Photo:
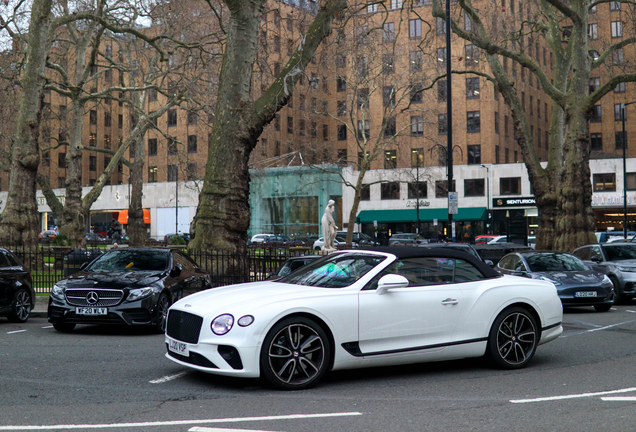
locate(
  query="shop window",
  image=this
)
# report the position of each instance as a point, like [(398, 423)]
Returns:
[(417, 190), (630, 181), (390, 159), (604, 182), (474, 187), (510, 185), (441, 188), (390, 190), (365, 193)]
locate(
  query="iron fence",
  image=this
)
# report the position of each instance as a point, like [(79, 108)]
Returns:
[(50, 264)]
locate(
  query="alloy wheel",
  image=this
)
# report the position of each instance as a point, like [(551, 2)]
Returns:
[(516, 339), (296, 354)]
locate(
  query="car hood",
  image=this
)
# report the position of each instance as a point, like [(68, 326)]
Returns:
[(113, 279), (588, 277), (248, 296)]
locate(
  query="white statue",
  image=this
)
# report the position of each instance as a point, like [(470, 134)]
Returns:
[(329, 228)]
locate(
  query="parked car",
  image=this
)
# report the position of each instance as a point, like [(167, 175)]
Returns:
[(47, 235), (606, 236), (359, 238), (502, 239), (620, 239), (462, 247), (363, 308), (17, 296), (281, 240), (75, 258), (318, 244), (133, 286), (616, 260), (293, 264), (575, 282), (259, 238), (94, 237), (184, 236), (406, 239), (484, 238)]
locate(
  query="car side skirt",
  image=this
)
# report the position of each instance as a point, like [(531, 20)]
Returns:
[(353, 348)]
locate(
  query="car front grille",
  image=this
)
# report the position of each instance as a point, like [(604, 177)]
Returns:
[(194, 358), (103, 297), (184, 326)]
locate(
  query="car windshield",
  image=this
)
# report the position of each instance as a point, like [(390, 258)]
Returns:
[(554, 262), (335, 271), (620, 252), (131, 260)]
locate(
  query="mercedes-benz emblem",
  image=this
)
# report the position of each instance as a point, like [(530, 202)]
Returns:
[(92, 298)]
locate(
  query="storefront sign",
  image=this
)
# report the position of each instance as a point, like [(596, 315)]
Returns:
[(413, 203), (514, 202), (610, 200), (42, 200)]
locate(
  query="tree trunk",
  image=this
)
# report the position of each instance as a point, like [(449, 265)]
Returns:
[(136, 227), (19, 224)]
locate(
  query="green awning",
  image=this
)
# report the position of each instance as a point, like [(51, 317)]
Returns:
[(426, 215)]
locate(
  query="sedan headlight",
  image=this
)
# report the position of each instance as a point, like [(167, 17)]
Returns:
[(606, 280), (627, 269), (58, 292), (545, 278), (139, 293), (222, 324)]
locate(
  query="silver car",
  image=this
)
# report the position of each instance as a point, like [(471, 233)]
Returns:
[(616, 260)]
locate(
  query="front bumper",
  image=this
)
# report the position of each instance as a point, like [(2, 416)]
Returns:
[(141, 312)]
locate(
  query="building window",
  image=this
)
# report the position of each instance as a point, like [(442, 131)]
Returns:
[(441, 90), (342, 132), (172, 117), (290, 125), (441, 188), (361, 67), (592, 31), (596, 114), (341, 84), (342, 157), (506, 155), (496, 122), (510, 185), (61, 182), (191, 173), (152, 147), (596, 141), (390, 128), (416, 93), (301, 127), (615, 5), (619, 140), (192, 143), (192, 118), (61, 160), (396, 4), (152, 174), (415, 28), (325, 132), (618, 56), (341, 108), (618, 112), (605, 182), (172, 146), (473, 123), (472, 88), (92, 163), (474, 187), (277, 123), (472, 55), (365, 193), (468, 24), (442, 124), (389, 32), (595, 84), (620, 88), (417, 190), (415, 61), (173, 173), (388, 96), (630, 181), (93, 117), (617, 29), (441, 26), (390, 159), (474, 154), (417, 157), (152, 95), (390, 190), (417, 126), (361, 159), (441, 58), (364, 130)]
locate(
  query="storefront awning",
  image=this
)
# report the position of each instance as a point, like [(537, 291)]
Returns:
[(123, 217), (426, 215)]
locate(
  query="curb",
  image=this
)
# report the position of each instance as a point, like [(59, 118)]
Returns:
[(41, 307)]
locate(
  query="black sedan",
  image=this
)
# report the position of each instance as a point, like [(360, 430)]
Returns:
[(133, 286), (17, 297), (576, 283)]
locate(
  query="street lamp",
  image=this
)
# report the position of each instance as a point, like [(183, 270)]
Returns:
[(449, 119), (624, 136), (487, 197), (417, 189)]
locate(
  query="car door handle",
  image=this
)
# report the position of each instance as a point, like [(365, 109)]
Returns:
[(450, 301)]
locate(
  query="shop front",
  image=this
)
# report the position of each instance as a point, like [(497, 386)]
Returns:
[(515, 215), (609, 212), (382, 224)]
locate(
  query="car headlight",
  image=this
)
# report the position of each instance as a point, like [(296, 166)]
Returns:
[(545, 278), (222, 324), (606, 280), (627, 269), (58, 292), (139, 293), (245, 321)]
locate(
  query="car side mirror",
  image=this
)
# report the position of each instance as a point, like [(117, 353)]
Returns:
[(391, 281), (489, 263), (176, 270)]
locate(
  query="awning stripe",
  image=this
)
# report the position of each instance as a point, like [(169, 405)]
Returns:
[(426, 215)]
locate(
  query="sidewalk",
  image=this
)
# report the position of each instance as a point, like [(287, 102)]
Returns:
[(41, 306)]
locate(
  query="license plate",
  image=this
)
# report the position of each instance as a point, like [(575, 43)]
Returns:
[(91, 311), (585, 294), (178, 347)]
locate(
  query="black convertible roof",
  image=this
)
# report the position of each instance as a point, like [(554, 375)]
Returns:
[(403, 252)]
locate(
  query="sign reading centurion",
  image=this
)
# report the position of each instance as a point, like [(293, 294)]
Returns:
[(514, 202)]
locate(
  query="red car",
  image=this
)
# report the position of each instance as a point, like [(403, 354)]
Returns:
[(47, 234), (483, 239)]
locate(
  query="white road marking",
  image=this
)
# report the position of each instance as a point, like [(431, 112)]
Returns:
[(206, 429), (168, 378), (176, 422), (574, 396), (597, 329), (16, 331), (620, 399), (50, 326), (631, 311)]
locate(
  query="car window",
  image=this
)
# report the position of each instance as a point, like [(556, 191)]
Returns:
[(336, 271), (583, 253), (619, 253), (13, 262), (146, 260), (506, 262), (554, 262), (185, 261), (4, 262), (424, 271)]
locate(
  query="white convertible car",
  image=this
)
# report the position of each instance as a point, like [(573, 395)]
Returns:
[(364, 308)]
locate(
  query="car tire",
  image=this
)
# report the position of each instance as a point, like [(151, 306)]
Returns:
[(317, 248), (295, 354), (21, 307), (603, 307), (163, 304), (64, 327), (513, 338), (618, 297)]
